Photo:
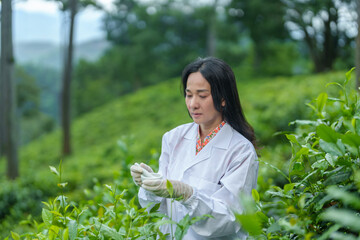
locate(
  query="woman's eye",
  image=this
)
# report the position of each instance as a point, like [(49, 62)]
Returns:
[(188, 96), (202, 96)]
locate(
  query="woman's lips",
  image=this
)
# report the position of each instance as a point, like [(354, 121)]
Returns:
[(196, 115)]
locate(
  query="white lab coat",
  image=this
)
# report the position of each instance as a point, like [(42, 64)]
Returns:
[(223, 169)]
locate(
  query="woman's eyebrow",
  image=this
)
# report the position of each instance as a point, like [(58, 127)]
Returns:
[(198, 90), (202, 90)]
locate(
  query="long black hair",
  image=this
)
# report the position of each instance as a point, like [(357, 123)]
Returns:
[(223, 87)]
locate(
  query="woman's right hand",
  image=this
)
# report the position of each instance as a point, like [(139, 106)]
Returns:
[(136, 170)]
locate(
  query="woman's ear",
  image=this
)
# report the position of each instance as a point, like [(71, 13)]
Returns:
[(223, 102)]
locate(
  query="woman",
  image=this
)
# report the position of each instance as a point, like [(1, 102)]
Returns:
[(209, 161)]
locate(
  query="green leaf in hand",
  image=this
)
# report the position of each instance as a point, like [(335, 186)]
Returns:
[(169, 188)]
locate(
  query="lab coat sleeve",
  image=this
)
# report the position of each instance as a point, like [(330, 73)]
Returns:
[(146, 197), (241, 177)]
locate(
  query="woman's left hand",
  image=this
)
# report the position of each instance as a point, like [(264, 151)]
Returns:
[(158, 187)]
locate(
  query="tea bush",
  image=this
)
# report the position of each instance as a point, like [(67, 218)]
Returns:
[(107, 214), (320, 199), (21, 198)]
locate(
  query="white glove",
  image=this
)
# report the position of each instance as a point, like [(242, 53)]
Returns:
[(158, 187), (137, 169)]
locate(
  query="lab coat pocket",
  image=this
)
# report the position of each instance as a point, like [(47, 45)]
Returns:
[(202, 185)]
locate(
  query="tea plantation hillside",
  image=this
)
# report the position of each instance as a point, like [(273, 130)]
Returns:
[(107, 140)]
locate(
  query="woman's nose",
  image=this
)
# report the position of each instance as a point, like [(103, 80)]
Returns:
[(194, 103)]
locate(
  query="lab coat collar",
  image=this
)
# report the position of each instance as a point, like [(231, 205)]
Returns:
[(192, 132), (221, 140)]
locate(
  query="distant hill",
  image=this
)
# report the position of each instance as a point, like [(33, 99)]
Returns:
[(48, 54)]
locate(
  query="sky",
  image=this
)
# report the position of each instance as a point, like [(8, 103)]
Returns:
[(40, 20)]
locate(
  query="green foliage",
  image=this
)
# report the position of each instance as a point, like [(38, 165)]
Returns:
[(300, 15), (21, 198), (48, 83), (285, 56), (273, 55), (108, 140), (321, 197), (270, 104), (33, 122), (106, 214), (153, 42)]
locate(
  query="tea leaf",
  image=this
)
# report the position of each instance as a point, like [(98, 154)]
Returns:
[(321, 164), (66, 234), (345, 218), (255, 195), (311, 106), (348, 75), (261, 216), (276, 169), (353, 142), (326, 235), (109, 232), (292, 139), (62, 199), (53, 170), (169, 188), (108, 187), (182, 227), (15, 236), (304, 122), (53, 232), (47, 216), (329, 158), (339, 176), (288, 187), (72, 226), (275, 227), (334, 83), (344, 196), (321, 101), (297, 169), (279, 194), (327, 134), (331, 148), (250, 223), (155, 208)]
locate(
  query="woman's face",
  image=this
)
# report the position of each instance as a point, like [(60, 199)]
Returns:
[(200, 103)]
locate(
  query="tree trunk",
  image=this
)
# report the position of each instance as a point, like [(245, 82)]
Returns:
[(211, 31), (314, 52), (66, 93), (357, 61), (211, 35), (330, 45), (8, 119)]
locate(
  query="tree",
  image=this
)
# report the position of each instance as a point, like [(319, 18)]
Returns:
[(318, 24), (70, 6), (357, 61), (151, 43), (67, 76), (264, 23), (8, 120)]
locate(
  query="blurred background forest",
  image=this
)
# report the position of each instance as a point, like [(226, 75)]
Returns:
[(102, 105)]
